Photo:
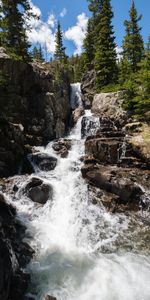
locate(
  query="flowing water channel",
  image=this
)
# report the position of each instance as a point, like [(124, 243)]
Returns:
[(82, 252)]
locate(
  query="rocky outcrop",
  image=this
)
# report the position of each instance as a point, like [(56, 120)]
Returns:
[(88, 88), (110, 104), (14, 254), (35, 102), (111, 163)]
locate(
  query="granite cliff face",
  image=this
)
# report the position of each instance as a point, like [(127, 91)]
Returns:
[(34, 108)]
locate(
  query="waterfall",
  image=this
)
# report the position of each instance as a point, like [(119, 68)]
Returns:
[(81, 251), (76, 100)]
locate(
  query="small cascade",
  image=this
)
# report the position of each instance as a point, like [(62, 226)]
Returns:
[(90, 125), (76, 100)]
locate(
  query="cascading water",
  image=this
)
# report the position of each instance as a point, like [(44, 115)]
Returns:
[(82, 252)]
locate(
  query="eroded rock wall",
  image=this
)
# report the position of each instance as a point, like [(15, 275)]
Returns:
[(34, 100)]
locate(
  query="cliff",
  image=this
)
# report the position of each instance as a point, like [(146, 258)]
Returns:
[(34, 108)]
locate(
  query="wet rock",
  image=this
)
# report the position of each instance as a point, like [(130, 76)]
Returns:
[(88, 88), (43, 161), (19, 285), (62, 147), (50, 298), (38, 191), (113, 181), (90, 126), (24, 253), (77, 113), (13, 280)]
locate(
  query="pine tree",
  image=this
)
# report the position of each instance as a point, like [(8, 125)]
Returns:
[(95, 7), (88, 46), (12, 26), (60, 49), (142, 99), (105, 48), (133, 43), (37, 53)]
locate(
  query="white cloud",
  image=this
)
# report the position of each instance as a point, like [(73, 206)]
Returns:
[(63, 12), (51, 20), (77, 33), (119, 52), (42, 32)]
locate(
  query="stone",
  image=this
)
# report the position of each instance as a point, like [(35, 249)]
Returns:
[(103, 149), (61, 147), (50, 298), (43, 161), (14, 254), (113, 181), (110, 104), (88, 88), (3, 53), (38, 191), (134, 126), (76, 114)]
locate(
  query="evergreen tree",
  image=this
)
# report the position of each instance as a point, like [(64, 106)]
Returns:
[(12, 26), (88, 46), (60, 49), (142, 98), (95, 7), (105, 52), (133, 43), (37, 53)]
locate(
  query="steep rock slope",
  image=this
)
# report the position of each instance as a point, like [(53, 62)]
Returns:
[(34, 108)]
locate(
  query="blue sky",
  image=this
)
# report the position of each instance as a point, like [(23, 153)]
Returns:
[(73, 16)]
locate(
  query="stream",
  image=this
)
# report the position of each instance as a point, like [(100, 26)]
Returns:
[(82, 252)]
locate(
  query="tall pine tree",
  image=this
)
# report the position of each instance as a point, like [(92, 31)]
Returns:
[(89, 47), (133, 48), (12, 26), (105, 48), (60, 49)]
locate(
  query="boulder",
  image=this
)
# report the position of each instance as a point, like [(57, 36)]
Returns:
[(105, 150), (113, 181), (110, 104), (38, 191), (43, 161), (61, 147), (76, 114), (50, 298)]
